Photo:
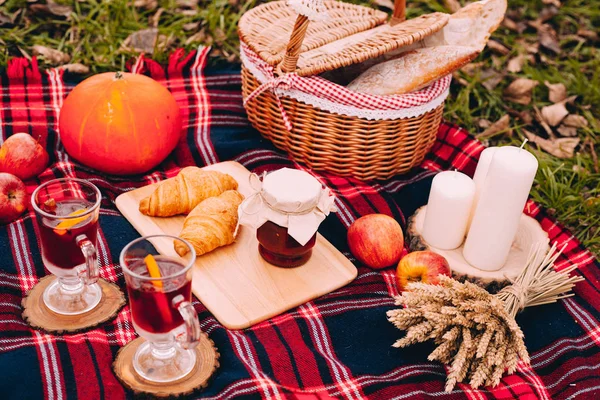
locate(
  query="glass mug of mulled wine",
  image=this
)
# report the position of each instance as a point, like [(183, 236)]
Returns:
[(159, 285), (67, 212)]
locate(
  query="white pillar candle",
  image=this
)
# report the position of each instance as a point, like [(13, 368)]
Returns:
[(503, 196), (485, 158), (448, 210), (481, 171)]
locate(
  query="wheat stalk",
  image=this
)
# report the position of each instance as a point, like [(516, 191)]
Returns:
[(539, 283), (475, 331)]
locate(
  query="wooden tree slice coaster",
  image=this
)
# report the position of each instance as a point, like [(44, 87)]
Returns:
[(530, 232), (207, 362), (39, 316)]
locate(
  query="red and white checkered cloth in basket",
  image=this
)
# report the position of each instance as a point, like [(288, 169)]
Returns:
[(332, 97)]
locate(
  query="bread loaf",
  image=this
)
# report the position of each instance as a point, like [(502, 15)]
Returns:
[(415, 66), (412, 70)]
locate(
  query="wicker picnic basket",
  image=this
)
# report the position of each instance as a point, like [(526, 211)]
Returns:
[(282, 51)]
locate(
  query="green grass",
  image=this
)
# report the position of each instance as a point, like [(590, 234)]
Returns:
[(568, 188)]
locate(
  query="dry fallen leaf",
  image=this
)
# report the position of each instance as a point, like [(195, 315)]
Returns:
[(389, 4), (519, 91), (561, 148), (532, 48), (515, 64), (571, 100), (60, 10), (497, 62), (188, 13), (526, 117), (164, 42), (542, 121), (484, 123), (75, 68), (500, 126), (548, 39), (490, 78), (575, 121), (567, 131), (547, 13), (588, 34), (555, 113), (155, 19), (146, 4), (52, 56), (142, 41), (580, 170), (518, 27), (553, 2), (192, 26), (557, 91), (186, 3), (5, 21), (199, 36), (472, 67), (498, 47)]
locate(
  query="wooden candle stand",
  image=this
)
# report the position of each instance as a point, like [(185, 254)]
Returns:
[(530, 232)]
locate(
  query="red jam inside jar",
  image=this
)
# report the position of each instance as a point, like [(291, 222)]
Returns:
[(277, 247)]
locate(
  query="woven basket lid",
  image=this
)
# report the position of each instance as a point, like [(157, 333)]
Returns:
[(351, 34)]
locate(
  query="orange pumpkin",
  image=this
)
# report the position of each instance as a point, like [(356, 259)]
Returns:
[(120, 123)]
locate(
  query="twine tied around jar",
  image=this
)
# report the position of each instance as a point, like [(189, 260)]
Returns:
[(278, 205), (256, 185)]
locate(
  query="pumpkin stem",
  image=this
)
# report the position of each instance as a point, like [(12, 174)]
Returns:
[(118, 75)]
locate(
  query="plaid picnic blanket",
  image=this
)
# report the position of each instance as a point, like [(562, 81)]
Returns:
[(338, 345)]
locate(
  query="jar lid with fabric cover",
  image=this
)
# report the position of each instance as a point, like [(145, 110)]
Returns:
[(290, 198)]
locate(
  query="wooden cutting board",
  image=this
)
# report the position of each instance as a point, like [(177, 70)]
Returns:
[(234, 282)]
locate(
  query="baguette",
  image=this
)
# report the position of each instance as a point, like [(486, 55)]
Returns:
[(412, 70), (412, 67)]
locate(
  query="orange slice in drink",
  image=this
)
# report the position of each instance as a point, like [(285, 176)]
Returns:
[(153, 269), (62, 227), (162, 301)]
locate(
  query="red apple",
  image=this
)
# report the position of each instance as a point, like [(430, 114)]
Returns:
[(23, 156), (421, 266), (13, 197), (376, 240)]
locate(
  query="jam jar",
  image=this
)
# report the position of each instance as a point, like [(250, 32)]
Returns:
[(286, 211), (279, 248)]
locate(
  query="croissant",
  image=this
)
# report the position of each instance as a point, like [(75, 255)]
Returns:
[(179, 195), (211, 224)]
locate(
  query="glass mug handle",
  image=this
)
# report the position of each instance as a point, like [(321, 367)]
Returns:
[(91, 263), (192, 326)]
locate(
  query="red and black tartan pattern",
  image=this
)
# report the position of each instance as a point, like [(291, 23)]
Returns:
[(338, 345)]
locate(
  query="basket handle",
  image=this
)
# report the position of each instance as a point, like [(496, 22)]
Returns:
[(399, 14), (292, 51)]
